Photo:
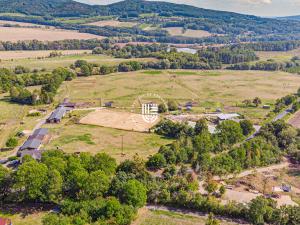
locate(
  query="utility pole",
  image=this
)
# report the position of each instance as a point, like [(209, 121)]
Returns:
[(122, 146)]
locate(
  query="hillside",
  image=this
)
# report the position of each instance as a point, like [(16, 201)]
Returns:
[(229, 25), (291, 18)]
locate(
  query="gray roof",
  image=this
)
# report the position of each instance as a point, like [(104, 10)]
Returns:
[(31, 143), (36, 154), (40, 131), (58, 113)]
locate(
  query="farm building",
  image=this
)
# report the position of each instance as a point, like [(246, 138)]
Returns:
[(58, 114), (230, 116), (35, 140), (5, 221), (109, 104), (35, 154)]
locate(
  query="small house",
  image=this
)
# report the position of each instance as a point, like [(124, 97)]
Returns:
[(230, 116), (266, 106)]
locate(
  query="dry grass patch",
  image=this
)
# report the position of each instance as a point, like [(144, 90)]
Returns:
[(15, 34), (295, 120), (179, 31), (22, 24), (278, 56), (112, 23)]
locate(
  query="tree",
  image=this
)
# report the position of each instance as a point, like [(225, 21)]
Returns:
[(247, 102), (54, 186), (298, 92), (261, 210), (201, 126), (156, 162), (162, 108), (203, 143), (172, 105), (247, 127), (211, 186), (229, 132), (97, 184), (134, 193), (104, 162), (222, 190), (85, 70), (257, 101), (31, 178)]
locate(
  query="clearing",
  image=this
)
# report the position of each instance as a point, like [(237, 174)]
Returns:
[(179, 31), (15, 34), (278, 56), (21, 24), (4, 55), (112, 23)]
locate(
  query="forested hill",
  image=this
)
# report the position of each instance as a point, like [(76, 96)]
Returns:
[(291, 18)]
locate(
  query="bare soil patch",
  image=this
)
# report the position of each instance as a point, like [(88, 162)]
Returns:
[(119, 120), (15, 34), (22, 24)]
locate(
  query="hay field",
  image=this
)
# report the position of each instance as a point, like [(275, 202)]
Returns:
[(178, 31), (64, 61), (278, 56), (15, 34), (211, 89), (112, 23), (22, 24), (6, 55), (117, 119)]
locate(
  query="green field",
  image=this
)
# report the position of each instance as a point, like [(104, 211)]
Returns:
[(278, 56), (63, 61), (210, 89)]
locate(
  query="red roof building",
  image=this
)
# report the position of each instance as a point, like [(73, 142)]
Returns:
[(4, 221)]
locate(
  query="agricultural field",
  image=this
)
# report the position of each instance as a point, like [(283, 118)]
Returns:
[(62, 61), (278, 56), (15, 34), (178, 31), (71, 137), (112, 23), (210, 89), (295, 120), (11, 55), (161, 217), (21, 24)]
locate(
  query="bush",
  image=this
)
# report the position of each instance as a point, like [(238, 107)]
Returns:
[(12, 142)]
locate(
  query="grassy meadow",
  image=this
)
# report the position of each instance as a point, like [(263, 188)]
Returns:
[(278, 56), (210, 89)]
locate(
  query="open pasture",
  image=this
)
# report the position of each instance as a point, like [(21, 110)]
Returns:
[(15, 34), (210, 89), (178, 31), (21, 24)]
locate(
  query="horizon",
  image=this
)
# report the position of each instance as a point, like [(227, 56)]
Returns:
[(275, 8)]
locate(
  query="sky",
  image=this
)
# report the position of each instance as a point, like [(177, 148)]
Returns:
[(265, 8)]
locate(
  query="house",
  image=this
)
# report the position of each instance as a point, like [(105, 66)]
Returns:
[(35, 140), (266, 106), (58, 114), (5, 221)]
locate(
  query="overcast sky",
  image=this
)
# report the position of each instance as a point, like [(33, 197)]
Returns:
[(268, 8)]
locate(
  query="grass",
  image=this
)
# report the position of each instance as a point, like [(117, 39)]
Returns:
[(278, 56), (211, 89), (179, 31), (160, 217), (63, 61), (73, 137)]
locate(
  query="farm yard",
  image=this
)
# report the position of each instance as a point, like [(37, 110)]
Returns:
[(15, 34)]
